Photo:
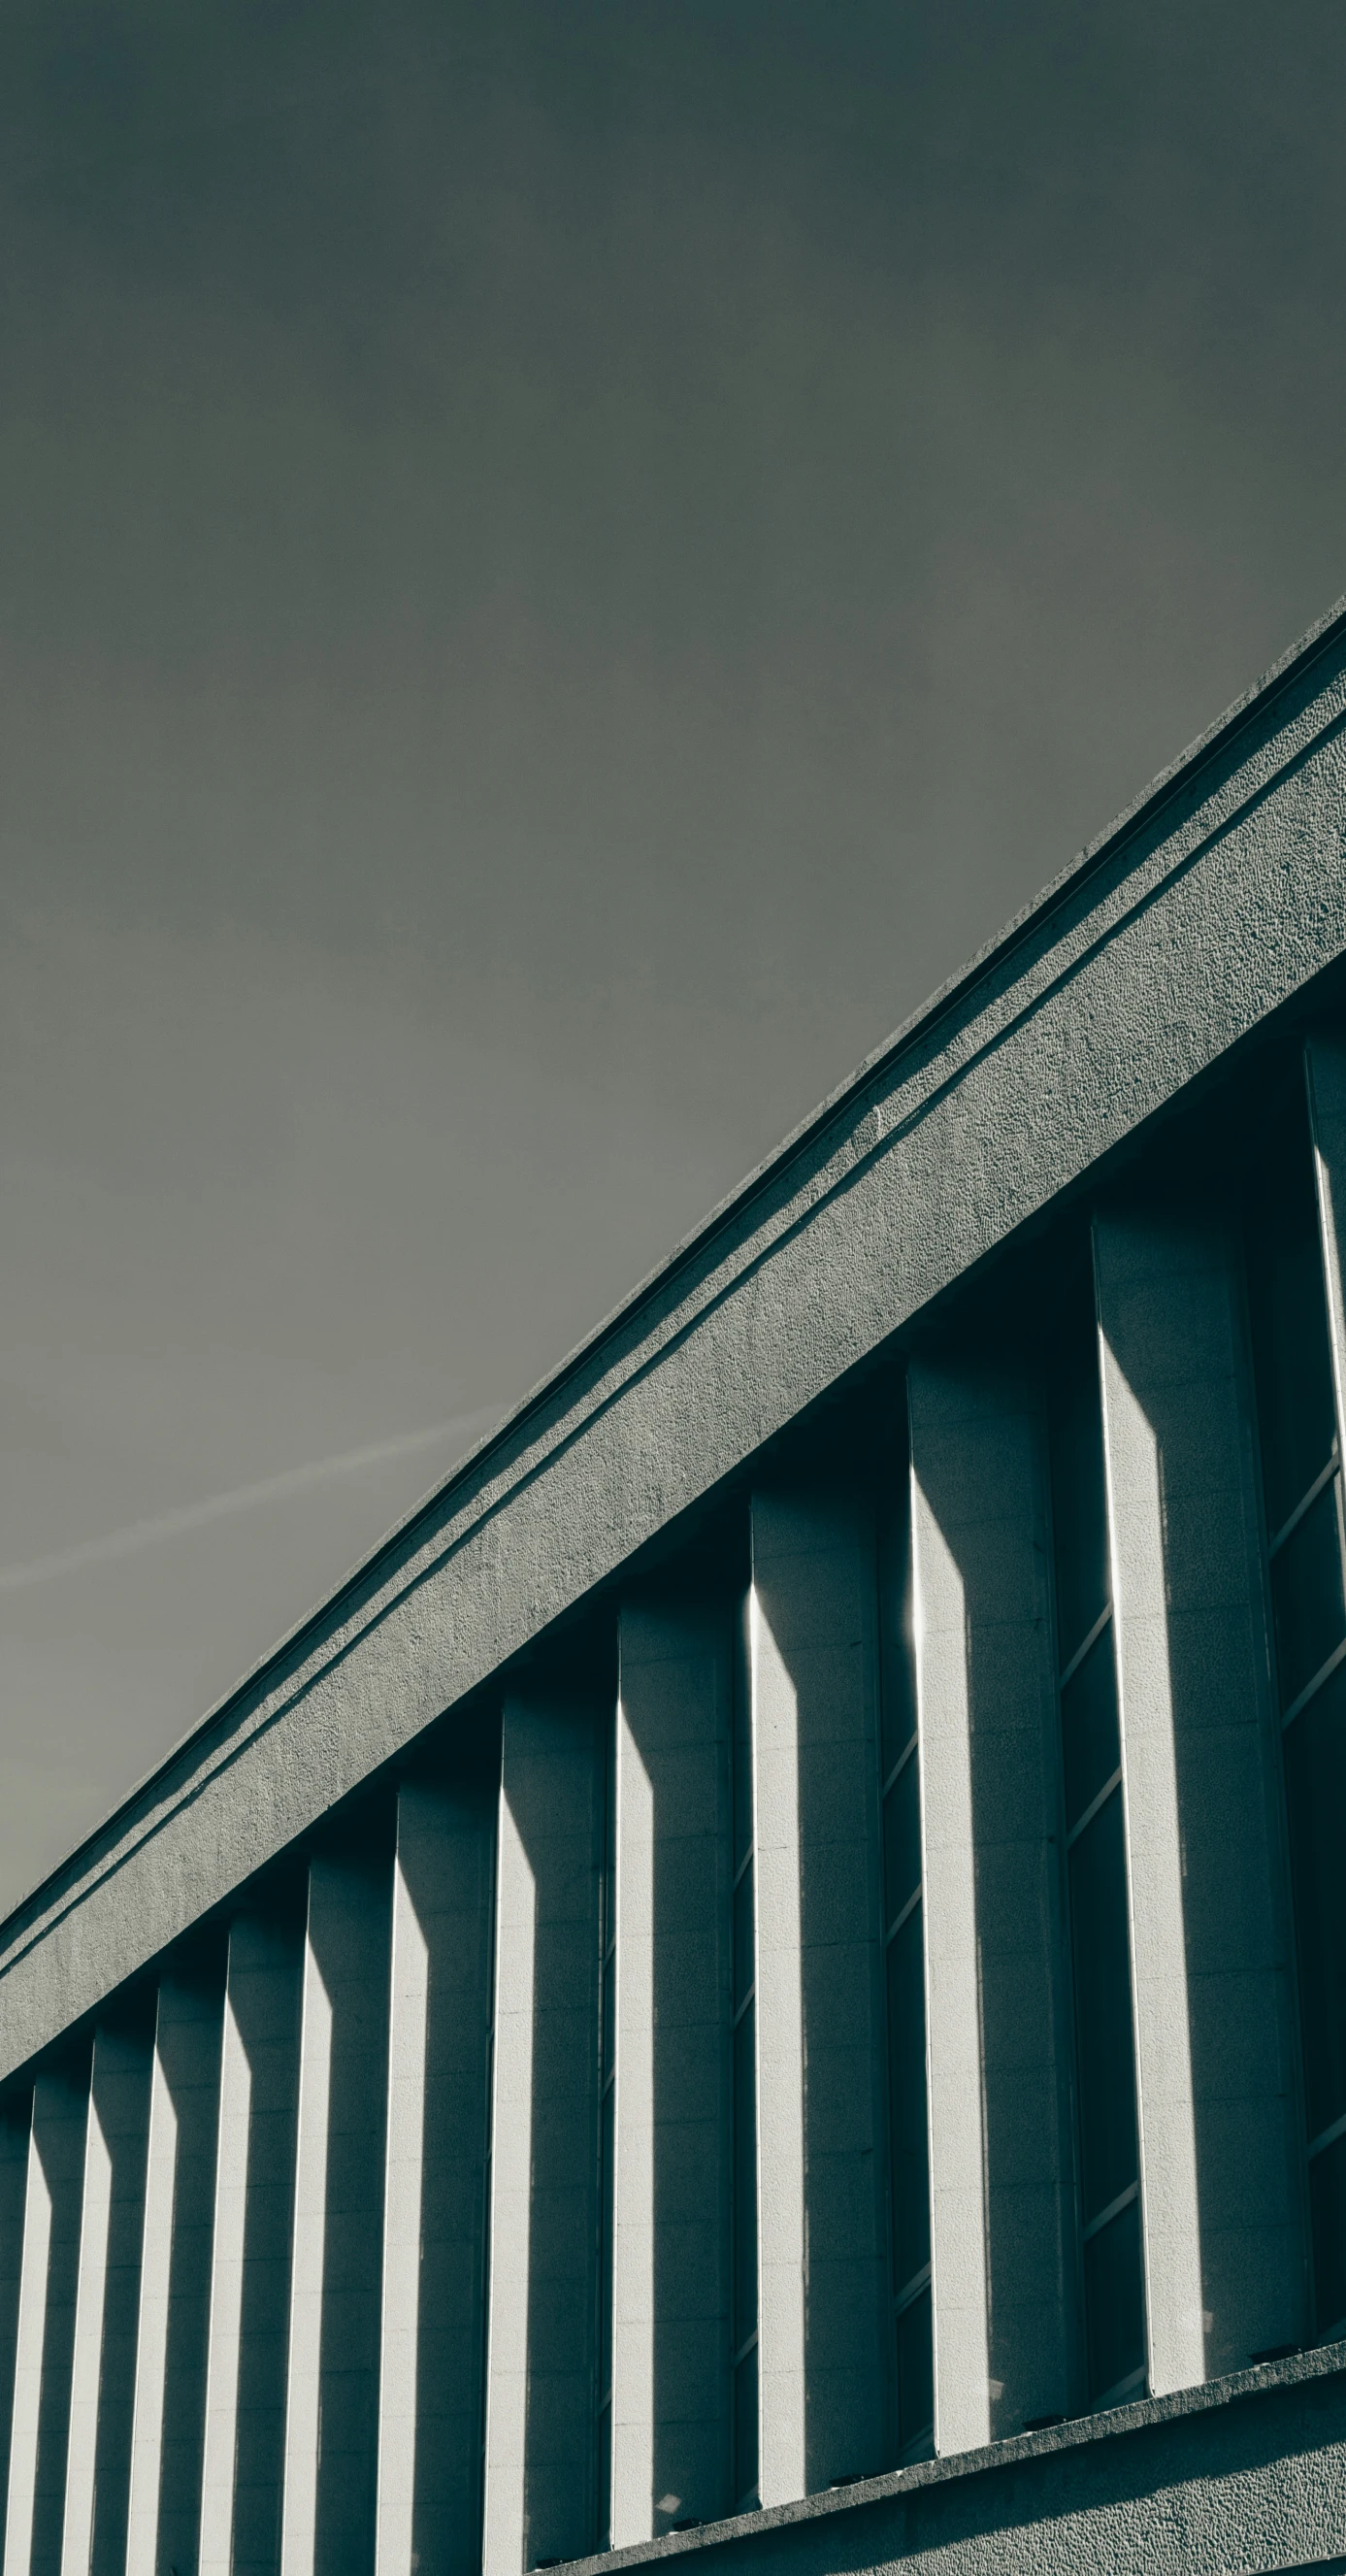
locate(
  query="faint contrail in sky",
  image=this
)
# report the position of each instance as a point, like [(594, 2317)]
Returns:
[(136, 1535)]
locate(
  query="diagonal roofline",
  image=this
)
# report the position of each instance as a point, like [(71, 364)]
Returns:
[(1106, 846)]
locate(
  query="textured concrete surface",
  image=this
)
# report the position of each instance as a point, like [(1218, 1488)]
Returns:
[(671, 2240), (1221, 2196), (993, 1907), (1247, 2473), (541, 2446), (1216, 898), (823, 2302)]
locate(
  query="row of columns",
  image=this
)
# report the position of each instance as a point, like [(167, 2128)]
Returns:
[(301, 2253)]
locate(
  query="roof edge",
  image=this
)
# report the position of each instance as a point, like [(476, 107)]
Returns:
[(1187, 765)]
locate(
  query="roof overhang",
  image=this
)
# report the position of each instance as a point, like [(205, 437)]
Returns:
[(1215, 900)]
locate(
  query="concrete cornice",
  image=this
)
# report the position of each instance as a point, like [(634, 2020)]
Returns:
[(938, 2482), (1216, 897)]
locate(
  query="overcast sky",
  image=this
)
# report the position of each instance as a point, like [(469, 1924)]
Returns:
[(560, 566)]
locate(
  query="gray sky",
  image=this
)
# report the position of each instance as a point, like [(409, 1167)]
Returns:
[(560, 565)]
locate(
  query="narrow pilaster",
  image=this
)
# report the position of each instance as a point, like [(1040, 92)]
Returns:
[(336, 2285), (542, 2371), (242, 2474), (56, 2202), (77, 2521), (1325, 1067), (120, 2103), (1213, 2011), (670, 2369), (823, 2340), (151, 2353), (29, 2341), (997, 2037), (166, 2511), (16, 2120), (430, 2412)]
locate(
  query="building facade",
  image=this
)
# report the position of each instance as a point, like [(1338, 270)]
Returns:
[(768, 1980)]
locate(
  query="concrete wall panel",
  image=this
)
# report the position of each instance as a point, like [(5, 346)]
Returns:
[(1214, 2011), (542, 2359), (671, 2242), (434, 2274), (1004, 2295), (823, 2300)]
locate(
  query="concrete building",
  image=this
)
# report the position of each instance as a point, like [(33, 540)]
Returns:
[(768, 1982)]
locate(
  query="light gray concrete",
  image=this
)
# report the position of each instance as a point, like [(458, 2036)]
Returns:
[(1224, 2259), (188, 2050), (671, 2292), (541, 2423), (150, 2353), (120, 2105), (336, 2256), (243, 2469), (151, 2343), (30, 2336), (1245, 2474), (430, 2407), (15, 2125), (1219, 896), (56, 2204), (91, 2284), (823, 2306), (1002, 2260), (1325, 1070)]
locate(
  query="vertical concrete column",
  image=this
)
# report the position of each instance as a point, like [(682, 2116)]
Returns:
[(303, 2394), (91, 2283), (822, 2313), (151, 2353), (243, 2466), (164, 2528), (336, 2288), (997, 2032), (29, 2338), (1325, 1068), (47, 2324), (670, 2382), (541, 2408), (430, 2410), (1220, 2221), (16, 2121), (119, 2108)]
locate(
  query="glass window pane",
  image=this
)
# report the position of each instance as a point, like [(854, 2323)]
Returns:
[(745, 2431), (1294, 1369), (1078, 1510), (1307, 1597), (907, 2114), (745, 2178), (1104, 2045), (744, 1957), (915, 2375), (1315, 1790), (1114, 2305), (902, 1840), (1089, 1733), (1327, 2208)]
